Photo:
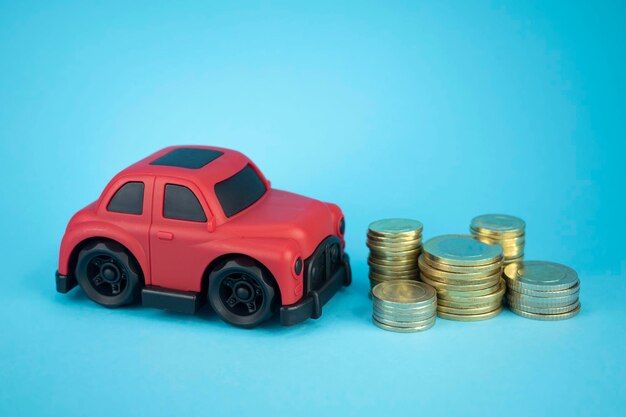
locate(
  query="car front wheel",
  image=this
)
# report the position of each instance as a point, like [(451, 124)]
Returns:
[(242, 293)]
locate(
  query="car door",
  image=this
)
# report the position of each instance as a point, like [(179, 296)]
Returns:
[(177, 234)]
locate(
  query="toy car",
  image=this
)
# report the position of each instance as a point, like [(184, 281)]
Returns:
[(192, 223)]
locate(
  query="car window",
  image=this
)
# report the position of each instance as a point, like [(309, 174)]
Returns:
[(128, 199), (240, 191), (181, 203)]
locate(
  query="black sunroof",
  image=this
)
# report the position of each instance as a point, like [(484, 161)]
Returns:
[(191, 158)]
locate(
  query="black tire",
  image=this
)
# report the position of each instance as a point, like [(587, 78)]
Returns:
[(108, 274), (242, 292)]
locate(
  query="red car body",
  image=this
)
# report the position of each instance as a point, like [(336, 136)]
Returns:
[(279, 230)]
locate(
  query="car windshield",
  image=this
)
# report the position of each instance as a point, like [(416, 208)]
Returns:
[(240, 191)]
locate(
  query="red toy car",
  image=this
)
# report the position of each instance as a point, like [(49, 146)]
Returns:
[(195, 222)]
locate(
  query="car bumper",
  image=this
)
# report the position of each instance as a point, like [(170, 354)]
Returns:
[(310, 306), (64, 283)]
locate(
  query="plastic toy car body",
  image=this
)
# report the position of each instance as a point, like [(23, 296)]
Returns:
[(192, 223)]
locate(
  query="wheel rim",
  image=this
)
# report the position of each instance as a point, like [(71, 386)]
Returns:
[(241, 294), (106, 275)]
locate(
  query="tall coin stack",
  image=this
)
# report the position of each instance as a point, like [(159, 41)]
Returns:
[(542, 290), (467, 276), (404, 306), (507, 231), (395, 245)]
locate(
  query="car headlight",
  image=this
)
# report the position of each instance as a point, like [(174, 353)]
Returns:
[(342, 226)]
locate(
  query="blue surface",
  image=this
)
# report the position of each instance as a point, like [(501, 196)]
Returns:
[(438, 111)]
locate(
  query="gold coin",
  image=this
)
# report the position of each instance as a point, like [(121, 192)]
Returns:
[(382, 262), (469, 306), (543, 310), (468, 310), (395, 227), (393, 239), (541, 276), (498, 225), (461, 281), (461, 250), (418, 328), (453, 294), (404, 318), (480, 299), (404, 292), (386, 275), (392, 268), (547, 317), (394, 248), (469, 317), (396, 310), (400, 323), (505, 243), (458, 276), (396, 255), (456, 287), (529, 300), (485, 269), (513, 252), (404, 308), (546, 294)]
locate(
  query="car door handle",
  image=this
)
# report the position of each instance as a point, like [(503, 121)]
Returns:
[(165, 235)]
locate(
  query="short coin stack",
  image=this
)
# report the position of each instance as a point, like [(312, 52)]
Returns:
[(502, 229), (395, 245), (467, 276), (542, 290), (404, 306)]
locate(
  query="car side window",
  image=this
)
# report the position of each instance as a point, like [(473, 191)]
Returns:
[(181, 203), (128, 199)]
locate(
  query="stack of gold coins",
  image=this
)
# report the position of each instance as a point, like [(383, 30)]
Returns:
[(542, 290), (504, 230), (404, 306), (395, 245), (467, 276)]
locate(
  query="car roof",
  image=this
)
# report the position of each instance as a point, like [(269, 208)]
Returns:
[(200, 163)]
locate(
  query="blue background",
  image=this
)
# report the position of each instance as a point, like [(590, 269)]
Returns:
[(433, 110)]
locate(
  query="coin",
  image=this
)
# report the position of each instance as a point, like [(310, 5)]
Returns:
[(498, 224), (383, 262), (394, 277), (404, 292), (547, 294), (453, 293), (391, 269), (394, 227), (485, 269), (504, 242), (468, 310), (479, 299), (418, 328), (461, 280), (468, 276), (394, 247), (468, 287), (404, 314), (531, 301), (547, 317), (543, 310), (461, 250), (541, 276), (400, 323), (469, 317)]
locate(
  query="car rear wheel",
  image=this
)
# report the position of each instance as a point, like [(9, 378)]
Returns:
[(108, 274), (242, 293)]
